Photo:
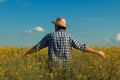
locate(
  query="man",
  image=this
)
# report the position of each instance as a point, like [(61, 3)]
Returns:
[(60, 44)]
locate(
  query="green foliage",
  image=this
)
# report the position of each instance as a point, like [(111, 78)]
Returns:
[(83, 66)]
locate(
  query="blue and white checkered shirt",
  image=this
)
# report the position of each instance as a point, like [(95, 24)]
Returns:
[(59, 45)]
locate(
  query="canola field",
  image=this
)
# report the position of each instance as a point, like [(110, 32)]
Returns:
[(83, 66)]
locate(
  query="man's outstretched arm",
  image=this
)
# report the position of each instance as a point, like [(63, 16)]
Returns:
[(90, 50), (42, 44), (83, 47)]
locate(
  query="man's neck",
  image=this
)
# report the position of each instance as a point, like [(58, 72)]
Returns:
[(59, 30)]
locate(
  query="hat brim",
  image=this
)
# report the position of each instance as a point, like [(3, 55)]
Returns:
[(56, 23)]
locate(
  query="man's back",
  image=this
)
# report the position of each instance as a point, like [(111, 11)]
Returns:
[(59, 45)]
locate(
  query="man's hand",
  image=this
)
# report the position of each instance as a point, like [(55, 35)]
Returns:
[(32, 50), (26, 54), (101, 53)]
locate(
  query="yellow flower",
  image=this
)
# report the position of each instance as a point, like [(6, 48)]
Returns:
[(16, 73), (17, 55), (39, 63), (85, 77), (51, 75), (79, 76)]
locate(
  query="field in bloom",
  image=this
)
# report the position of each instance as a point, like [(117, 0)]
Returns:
[(83, 66)]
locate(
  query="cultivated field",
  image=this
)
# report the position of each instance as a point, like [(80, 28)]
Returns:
[(83, 66)]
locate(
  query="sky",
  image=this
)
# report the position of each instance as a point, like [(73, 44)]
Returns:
[(26, 22)]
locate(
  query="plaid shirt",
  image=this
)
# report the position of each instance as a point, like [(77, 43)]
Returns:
[(59, 45)]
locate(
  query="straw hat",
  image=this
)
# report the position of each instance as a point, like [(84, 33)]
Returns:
[(60, 22)]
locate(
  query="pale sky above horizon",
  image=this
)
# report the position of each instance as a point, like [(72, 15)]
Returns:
[(25, 22)]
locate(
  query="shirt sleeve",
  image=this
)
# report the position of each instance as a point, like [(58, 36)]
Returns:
[(43, 43), (77, 45)]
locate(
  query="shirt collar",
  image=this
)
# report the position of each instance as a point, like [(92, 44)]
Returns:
[(60, 30)]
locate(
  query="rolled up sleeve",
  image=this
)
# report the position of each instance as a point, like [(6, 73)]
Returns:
[(77, 45), (43, 43)]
